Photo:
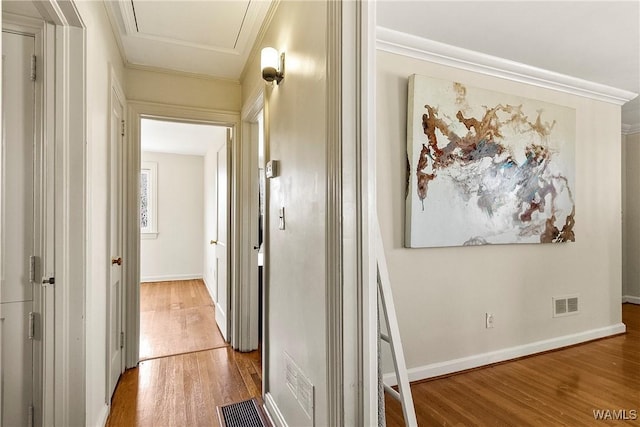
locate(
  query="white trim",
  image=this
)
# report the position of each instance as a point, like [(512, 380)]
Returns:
[(273, 411), (245, 304), (102, 416), (72, 193), (210, 292), (368, 122), (333, 246), (136, 111), (171, 277), (630, 129), (478, 360), (630, 299), (428, 50)]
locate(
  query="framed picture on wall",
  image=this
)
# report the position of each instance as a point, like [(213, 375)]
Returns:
[(487, 167)]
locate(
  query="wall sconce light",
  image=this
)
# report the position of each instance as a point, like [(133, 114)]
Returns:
[(272, 65)]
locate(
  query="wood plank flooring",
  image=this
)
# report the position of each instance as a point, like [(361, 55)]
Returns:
[(183, 389), (559, 388), (176, 317)]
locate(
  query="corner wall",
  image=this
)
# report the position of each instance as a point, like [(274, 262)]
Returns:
[(101, 54), (442, 294), (295, 119), (631, 219), (177, 252)]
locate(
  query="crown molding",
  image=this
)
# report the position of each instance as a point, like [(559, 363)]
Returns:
[(440, 53), (630, 129)]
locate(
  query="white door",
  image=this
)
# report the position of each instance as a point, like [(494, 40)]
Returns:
[(18, 178), (222, 246), (115, 294)]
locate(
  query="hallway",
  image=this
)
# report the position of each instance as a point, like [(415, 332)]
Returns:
[(202, 372)]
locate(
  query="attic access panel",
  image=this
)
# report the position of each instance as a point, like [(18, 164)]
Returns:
[(215, 25)]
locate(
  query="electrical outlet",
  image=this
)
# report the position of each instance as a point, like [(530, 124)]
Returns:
[(488, 320)]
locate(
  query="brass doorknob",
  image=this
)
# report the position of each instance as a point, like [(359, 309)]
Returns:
[(116, 261), (214, 242)]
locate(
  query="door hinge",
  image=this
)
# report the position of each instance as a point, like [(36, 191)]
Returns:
[(33, 261), (33, 68), (30, 416), (32, 326), (122, 130), (121, 339)]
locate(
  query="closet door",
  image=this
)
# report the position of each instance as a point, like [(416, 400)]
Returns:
[(17, 183)]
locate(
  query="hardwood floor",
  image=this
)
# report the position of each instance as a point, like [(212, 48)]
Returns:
[(559, 388), (183, 389), (173, 316)]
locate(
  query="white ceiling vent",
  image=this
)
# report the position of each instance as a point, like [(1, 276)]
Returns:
[(565, 305)]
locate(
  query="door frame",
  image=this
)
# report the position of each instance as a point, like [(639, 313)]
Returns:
[(245, 337), (131, 225), (62, 70)]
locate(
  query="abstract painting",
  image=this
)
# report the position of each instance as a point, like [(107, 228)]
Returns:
[(486, 167)]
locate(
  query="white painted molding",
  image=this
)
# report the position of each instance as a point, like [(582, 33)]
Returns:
[(428, 50), (209, 289), (273, 411), (478, 360), (137, 110), (102, 416), (631, 299), (170, 277), (630, 129)]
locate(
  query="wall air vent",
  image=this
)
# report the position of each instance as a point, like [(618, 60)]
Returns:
[(565, 305)]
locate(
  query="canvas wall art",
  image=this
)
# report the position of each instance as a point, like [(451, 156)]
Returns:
[(487, 167)]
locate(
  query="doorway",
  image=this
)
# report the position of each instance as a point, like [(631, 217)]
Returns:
[(183, 237)]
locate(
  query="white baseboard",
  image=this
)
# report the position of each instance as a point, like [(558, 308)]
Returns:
[(273, 411), (478, 360), (170, 277), (209, 289), (631, 299), (103, 415)]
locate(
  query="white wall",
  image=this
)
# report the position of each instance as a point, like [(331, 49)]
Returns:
[(101, 54), (442, 294), (177, 252), (631, 218), (210, 219), (296, 267)]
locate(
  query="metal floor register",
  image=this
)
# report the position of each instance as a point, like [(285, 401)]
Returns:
[(247, 413)]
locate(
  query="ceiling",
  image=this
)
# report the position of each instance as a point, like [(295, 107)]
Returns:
[(180, 138), (201, 37), (598, 41)]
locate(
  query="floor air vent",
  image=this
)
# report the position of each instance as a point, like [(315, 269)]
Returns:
[(564, 306), (247, 413)]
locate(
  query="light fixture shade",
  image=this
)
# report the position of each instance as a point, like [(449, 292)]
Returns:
[(269, 58), (271, 64)]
